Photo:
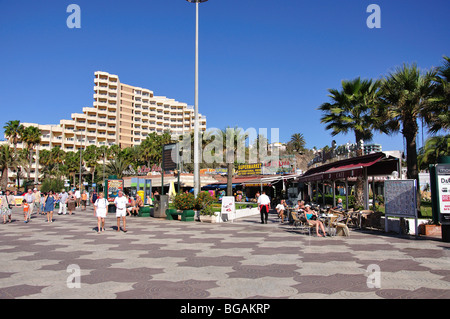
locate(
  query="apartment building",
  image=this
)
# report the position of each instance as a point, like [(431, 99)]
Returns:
[(121, 114)]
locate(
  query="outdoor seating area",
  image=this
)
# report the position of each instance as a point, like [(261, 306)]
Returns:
[(336, 222)]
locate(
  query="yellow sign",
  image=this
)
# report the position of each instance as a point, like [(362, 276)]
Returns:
[(249, 169)]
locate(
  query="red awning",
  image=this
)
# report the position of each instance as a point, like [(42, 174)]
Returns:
[(352, 167)]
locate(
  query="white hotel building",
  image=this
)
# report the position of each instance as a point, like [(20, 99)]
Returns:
[(121, 114)]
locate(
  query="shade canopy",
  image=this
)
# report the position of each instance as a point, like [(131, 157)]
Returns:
[(376, 164)]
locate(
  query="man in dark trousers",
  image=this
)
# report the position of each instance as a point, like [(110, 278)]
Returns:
[(264, 207)]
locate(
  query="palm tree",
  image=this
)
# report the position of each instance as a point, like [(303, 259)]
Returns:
[(72, 164), (90, 156), (57, 156), (7, 161), (297, 143), (31, 135), (233, 139), (435, 146), (117, 166), (405, 95), (438, 112), (351, 110), (13, 131)]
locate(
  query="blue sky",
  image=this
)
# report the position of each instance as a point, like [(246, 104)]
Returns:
[(263, 64)]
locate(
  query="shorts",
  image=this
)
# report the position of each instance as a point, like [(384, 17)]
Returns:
[(5, 211), (121, 212), (101, 212)]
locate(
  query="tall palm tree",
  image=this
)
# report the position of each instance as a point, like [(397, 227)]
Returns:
[(72, 164), (31, 135), (438, 112), (13, 131), (405, 95), (351, 110), (7, 161), (57, 156), (233, 139), (90, 157)]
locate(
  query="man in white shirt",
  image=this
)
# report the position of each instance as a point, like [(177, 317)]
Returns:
[(29, 197), (121, 211), (78, 197), (264, 207), (63, 196)]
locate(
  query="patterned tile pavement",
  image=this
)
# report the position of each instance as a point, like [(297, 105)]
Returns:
[(191, 260)]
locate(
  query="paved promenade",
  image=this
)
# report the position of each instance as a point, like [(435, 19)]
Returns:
[(192, 260)]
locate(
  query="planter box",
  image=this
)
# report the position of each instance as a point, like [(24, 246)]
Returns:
[(207, 219), (430, 230)]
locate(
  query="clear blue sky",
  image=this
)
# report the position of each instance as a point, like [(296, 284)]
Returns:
[(262, 63)]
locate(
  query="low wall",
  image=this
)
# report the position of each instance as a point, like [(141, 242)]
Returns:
[(240, 213)]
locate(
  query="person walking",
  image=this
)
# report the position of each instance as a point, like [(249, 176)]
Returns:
[(94, 197), (63, 196), (84, 198), (78, 197), (8, 201), (71, 202), (49, 206), (29, 198), (101, 211), (37, 200), (121, 210), (264, 207), (26, 211)]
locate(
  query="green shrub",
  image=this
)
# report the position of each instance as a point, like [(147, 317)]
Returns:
[(204, 203), (52, 184), (184, 201)]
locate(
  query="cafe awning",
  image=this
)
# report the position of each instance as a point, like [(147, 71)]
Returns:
[(376, 164)]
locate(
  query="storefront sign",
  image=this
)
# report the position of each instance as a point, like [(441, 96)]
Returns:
[(249, 169), (443, 178)]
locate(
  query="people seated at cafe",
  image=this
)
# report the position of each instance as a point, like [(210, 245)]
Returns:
[(312, 219), (138, 203), (281, 208), (300, 205)]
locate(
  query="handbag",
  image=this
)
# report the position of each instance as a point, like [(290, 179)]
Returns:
[(10, 206)]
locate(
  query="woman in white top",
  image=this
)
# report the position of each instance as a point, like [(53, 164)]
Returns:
[(101, 211), (8, 201)]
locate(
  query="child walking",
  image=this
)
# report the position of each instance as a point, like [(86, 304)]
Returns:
[(26, 210)]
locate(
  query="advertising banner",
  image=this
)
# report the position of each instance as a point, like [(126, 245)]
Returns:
[(113, 186), (228, 208)]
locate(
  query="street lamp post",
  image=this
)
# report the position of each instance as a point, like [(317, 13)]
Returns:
[(196, 128)]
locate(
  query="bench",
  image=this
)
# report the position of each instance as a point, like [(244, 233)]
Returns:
[(145, 211), (186, 215)]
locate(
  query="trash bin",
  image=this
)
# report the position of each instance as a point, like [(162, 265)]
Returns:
[(161, 206), (111, 208)]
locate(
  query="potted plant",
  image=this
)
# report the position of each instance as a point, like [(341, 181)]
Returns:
[(430, 229), (204, 205), (185, 202)]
